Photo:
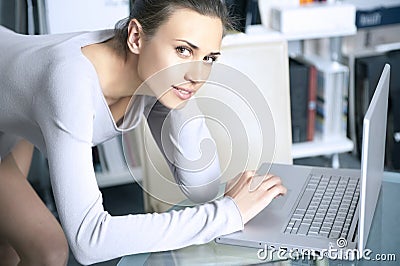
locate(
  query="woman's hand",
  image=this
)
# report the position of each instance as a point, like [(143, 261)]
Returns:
[(250, 203)]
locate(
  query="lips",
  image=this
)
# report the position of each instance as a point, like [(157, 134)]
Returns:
[(182, 93)]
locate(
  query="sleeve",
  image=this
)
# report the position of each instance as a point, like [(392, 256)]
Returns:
[(93, 234), (184, 139)]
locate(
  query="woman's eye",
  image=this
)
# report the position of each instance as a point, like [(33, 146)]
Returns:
[(210, 59), (183, 51)]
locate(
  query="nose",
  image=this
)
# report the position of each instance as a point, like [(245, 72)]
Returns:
[(197, 71)]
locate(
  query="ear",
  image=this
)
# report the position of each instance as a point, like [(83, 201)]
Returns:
[(135, 34)]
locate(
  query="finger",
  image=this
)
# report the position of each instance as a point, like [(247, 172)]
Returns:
[(249, 174), (236, 184), (257, 180), (270, 182), (283, 193), (274, 192)]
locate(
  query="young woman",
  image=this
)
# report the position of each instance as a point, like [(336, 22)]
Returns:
[(66, 93)]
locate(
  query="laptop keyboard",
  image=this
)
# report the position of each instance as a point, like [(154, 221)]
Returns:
[(326, 207)]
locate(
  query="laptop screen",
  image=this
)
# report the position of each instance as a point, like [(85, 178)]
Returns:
[(373, 154)]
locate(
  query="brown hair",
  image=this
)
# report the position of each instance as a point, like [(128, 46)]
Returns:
[(151, 14)]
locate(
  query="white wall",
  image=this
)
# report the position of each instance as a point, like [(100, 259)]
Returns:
[(78, 15)]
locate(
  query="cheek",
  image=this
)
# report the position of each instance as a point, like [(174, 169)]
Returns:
[(159, 72), (152, 61)]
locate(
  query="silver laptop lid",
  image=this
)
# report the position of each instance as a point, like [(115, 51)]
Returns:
[(373, 154)]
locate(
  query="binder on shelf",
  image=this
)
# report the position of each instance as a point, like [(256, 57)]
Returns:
[(299, 85), (377, 16), (394, 134), (332, 98), (312, 102), (311, 78)]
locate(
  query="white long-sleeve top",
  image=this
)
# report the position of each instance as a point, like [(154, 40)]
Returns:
[(50, 95)]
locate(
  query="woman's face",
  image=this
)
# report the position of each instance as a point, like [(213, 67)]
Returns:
[(186, 37)]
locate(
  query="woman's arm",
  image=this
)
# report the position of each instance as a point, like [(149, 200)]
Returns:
[(184, 139), (65, 116)]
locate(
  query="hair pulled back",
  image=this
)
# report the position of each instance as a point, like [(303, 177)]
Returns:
[(151, 14)]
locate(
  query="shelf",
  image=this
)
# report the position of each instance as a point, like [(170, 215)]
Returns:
[(114, 179), (261, 30), (321, 147)]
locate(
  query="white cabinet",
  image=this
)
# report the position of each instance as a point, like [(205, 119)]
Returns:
[(320, 145)]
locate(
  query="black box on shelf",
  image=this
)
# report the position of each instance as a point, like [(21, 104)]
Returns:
[(299, 84), (367, 73)]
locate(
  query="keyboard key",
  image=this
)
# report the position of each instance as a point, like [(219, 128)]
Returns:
[(329, 220), (327, 224), (309, 216), (325, 229), (335, 178), (297, 217), (330, 216), (296, 226), (324, 234), (305, 200), (334, 234), (299, 212), (318, 219), (303, 229), (346, 200), (316, 225), (337, 228), (339, 224), (345, 206), (340, 219)]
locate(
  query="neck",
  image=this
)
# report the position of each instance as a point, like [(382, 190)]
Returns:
[(117, 75)]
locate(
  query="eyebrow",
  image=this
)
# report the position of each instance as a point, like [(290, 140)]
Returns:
[(196, 47)]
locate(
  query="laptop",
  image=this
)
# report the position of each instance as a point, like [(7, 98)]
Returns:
[(325, 207)]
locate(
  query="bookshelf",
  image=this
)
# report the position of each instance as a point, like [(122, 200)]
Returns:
[(320, 145), (117, 161), (291, 37)]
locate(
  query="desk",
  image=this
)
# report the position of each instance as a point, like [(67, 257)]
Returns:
[(384, 238)]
